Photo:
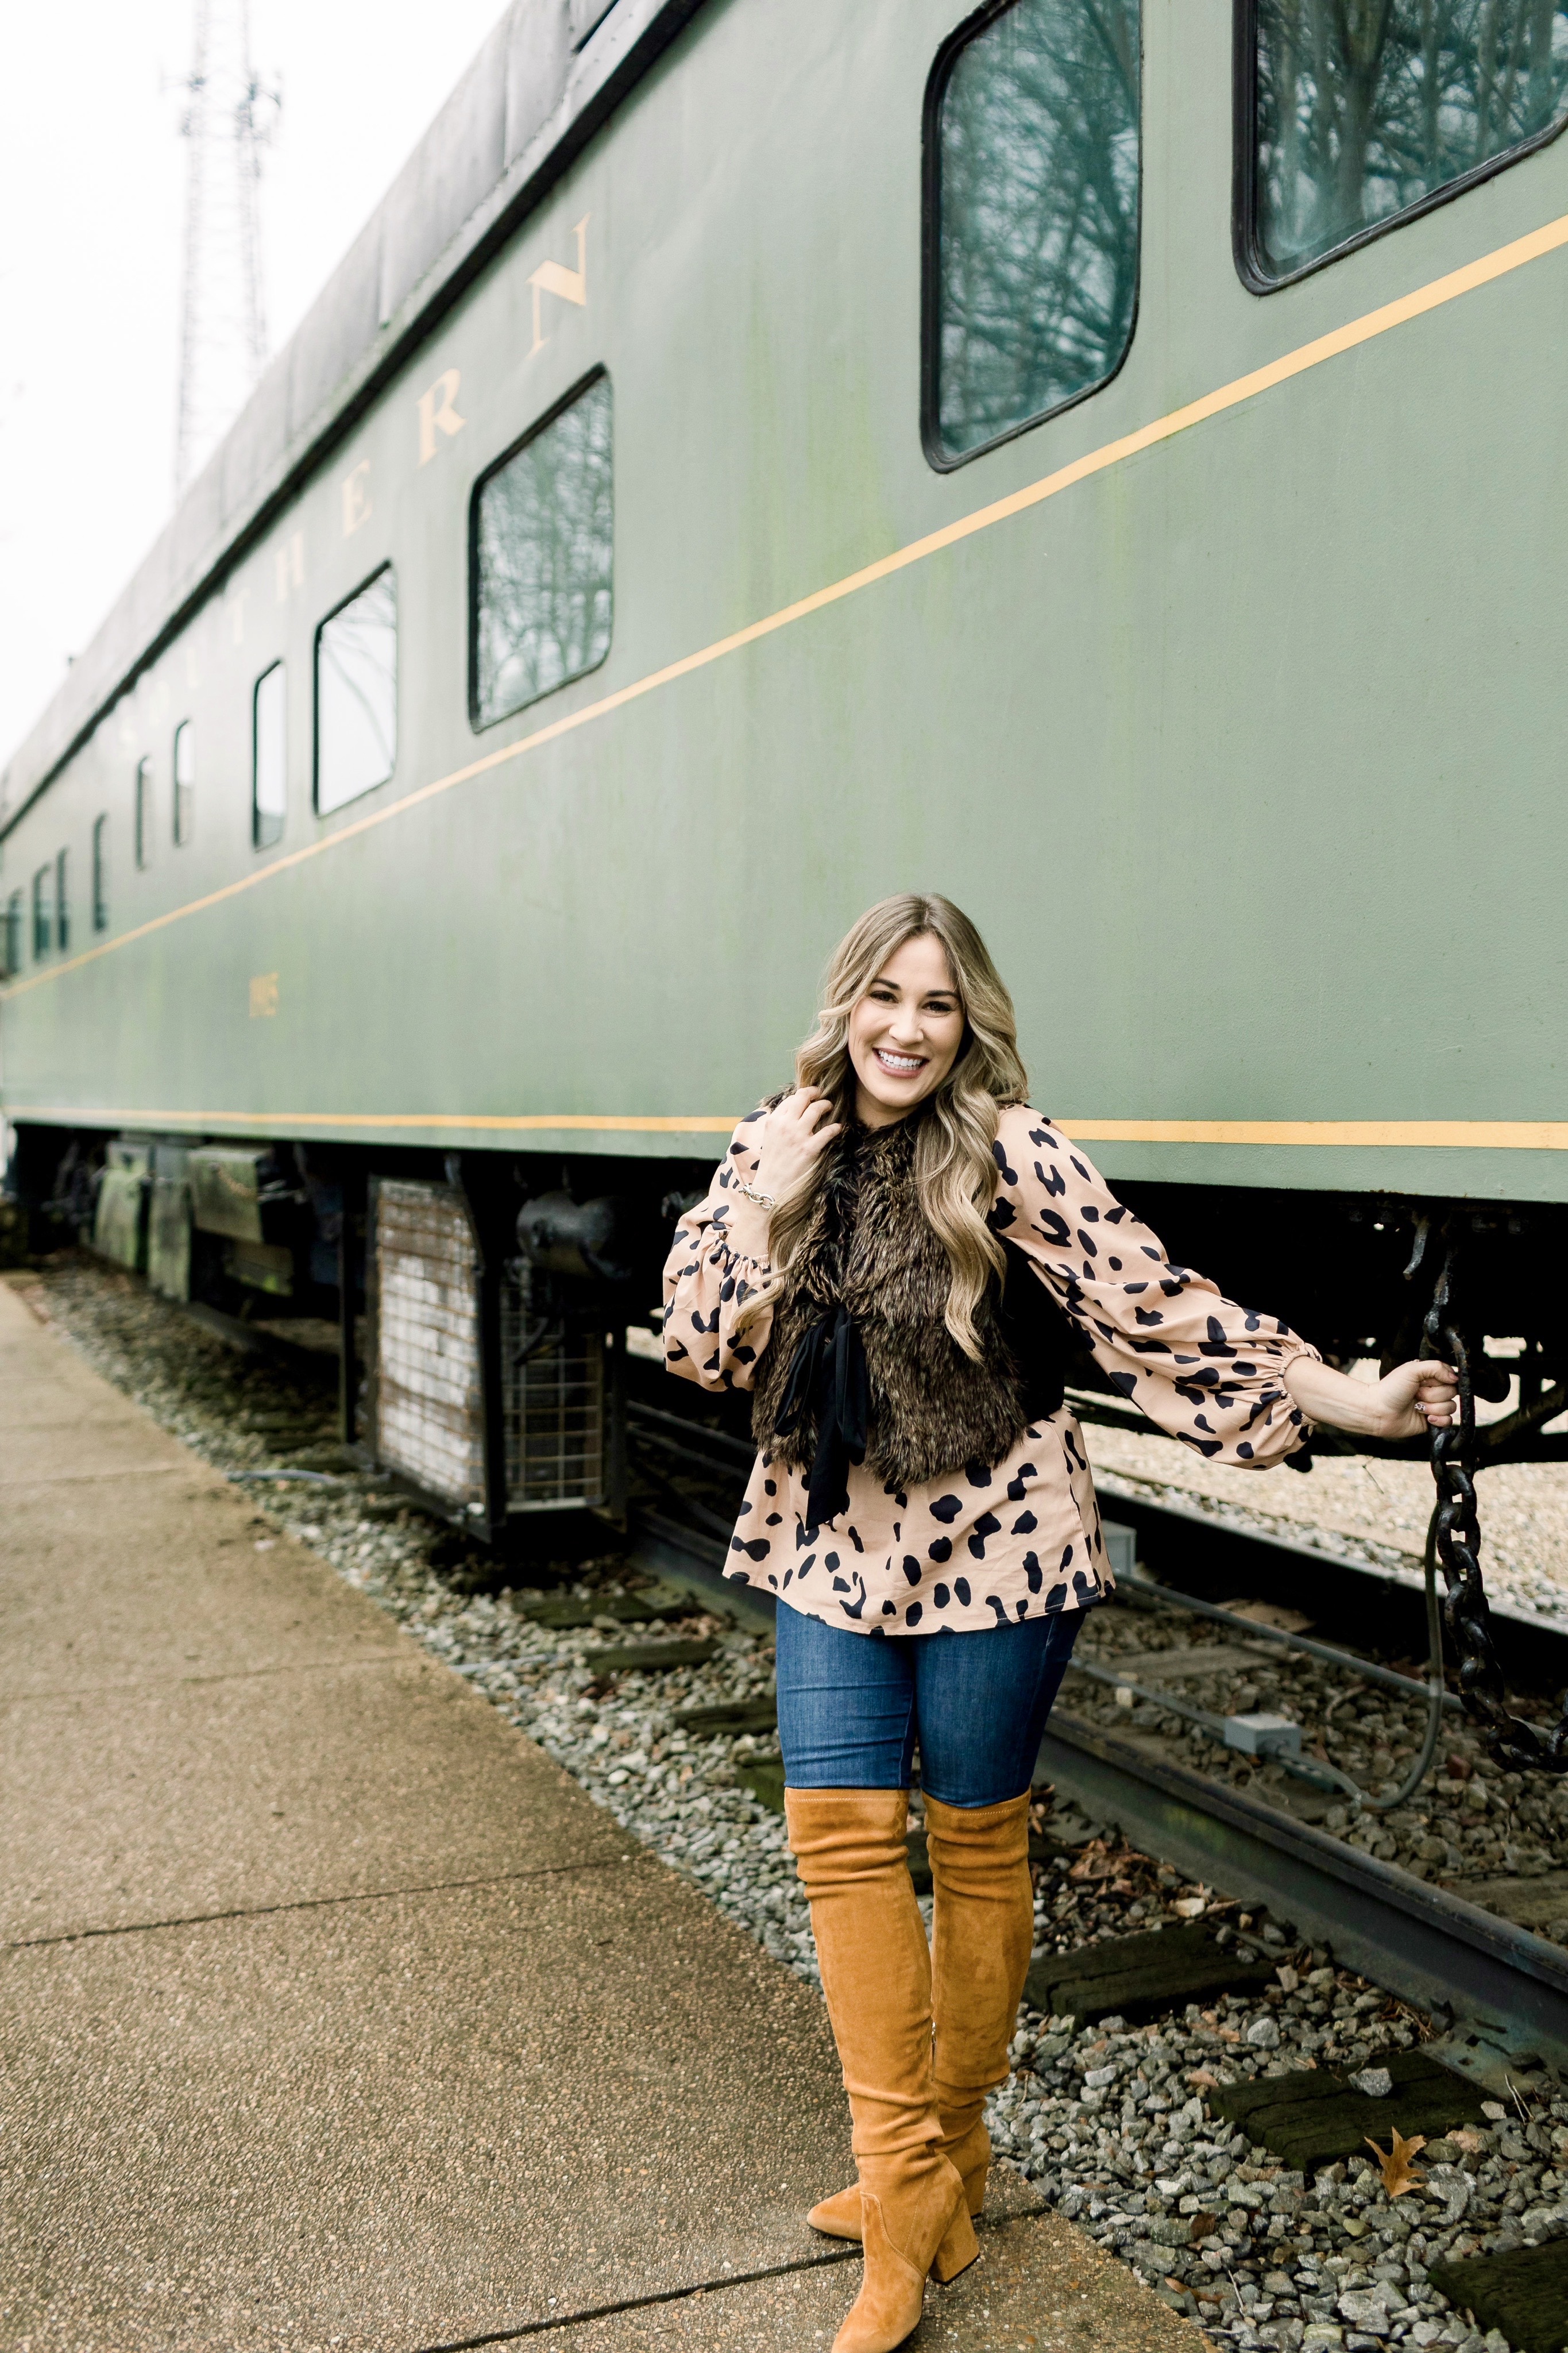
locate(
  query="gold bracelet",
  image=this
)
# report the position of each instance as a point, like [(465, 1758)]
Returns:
[(762, 1200)]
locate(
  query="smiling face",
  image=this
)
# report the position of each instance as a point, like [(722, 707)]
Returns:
[(905, 1032)]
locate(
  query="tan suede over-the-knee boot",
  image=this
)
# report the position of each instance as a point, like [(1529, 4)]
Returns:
[(983, 1932), (851, 1853)]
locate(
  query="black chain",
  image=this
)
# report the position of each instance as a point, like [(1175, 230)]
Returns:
[(1456, 1539)]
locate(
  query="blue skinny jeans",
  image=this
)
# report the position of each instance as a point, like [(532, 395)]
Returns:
[(851, 1706)]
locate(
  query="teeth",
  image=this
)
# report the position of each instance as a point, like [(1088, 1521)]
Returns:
[(898, 1061)]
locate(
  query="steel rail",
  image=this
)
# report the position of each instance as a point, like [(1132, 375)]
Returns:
[(710, 1522), (1119, 1487), (651, 1425), (1404, 1583), (686, 1438), (680, 1436), (1421, 1942), (1329, 1653), (684, 1558)]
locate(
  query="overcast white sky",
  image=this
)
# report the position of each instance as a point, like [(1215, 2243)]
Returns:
[(91, 179)]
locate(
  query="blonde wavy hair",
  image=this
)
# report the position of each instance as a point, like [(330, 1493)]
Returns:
[(954, 1169)]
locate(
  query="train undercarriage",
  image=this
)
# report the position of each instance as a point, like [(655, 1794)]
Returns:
[(487, 1306)]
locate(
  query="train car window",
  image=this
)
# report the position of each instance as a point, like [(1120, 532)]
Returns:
[(1032, 168), (268, 762), (100, 874), (143, 842), (184, 781), (356, 694), (541, 554), (1346, 126), (62, 902), (11, 936), (43, 911)]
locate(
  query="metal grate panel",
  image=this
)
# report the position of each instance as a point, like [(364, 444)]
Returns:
[(429, 1376), (552, 1413)]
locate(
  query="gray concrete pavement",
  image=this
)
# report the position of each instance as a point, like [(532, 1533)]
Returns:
[(332, 2012), (402, 2122), (1039, 2286)]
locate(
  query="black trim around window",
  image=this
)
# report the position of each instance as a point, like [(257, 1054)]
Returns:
[(943, 460), (1244, 172), (282, 814), (101, 873)]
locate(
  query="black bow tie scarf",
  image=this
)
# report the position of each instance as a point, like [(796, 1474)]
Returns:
[(827, 1383)]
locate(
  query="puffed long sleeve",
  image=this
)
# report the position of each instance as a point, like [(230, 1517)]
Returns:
[(718, 1258), (1203, 1369)]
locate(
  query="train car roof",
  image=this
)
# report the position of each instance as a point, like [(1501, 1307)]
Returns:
[(547, 78)]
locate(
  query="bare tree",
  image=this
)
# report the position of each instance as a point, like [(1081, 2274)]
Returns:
[(1038, 212), (1367, 106)]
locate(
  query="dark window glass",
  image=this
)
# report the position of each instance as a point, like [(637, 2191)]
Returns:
[(144, 844), (356, 694), (11, 936), (100, 874), (544, 545), (268, 761), (62, 902), (43, 911), (184, 781), (1031, 157), (1366, 112)]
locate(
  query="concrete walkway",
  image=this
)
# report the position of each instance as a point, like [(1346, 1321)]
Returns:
[(334, 2014)]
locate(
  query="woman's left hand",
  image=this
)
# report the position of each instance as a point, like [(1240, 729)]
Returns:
[(1406, 1403), (1417, 1398)]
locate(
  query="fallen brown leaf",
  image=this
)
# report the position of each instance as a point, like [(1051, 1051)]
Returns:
[(1398, 2173)]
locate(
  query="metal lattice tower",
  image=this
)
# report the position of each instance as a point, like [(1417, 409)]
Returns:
[(227, 120)]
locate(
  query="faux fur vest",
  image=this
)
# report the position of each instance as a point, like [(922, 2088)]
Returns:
[(927, 1408)]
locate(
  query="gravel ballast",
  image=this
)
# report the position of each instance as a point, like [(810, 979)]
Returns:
[(1111, 2119), (1468, 1826)]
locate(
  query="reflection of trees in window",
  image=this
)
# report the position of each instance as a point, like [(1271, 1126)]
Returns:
[(356, 695), (184, 781), (1365, 106), (1038, 213), (269, 775), (100, 874), (544, 546)]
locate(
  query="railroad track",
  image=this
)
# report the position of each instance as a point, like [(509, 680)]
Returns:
[(1503, 1988)]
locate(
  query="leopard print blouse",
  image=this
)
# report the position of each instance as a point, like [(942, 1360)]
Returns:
[(1021, 1538)]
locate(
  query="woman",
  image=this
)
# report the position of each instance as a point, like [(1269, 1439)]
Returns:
[(896, 1257)]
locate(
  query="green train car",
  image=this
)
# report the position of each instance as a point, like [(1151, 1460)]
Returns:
[(1101, 459)]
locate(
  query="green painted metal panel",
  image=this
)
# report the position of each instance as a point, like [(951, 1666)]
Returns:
[(1244, 750)]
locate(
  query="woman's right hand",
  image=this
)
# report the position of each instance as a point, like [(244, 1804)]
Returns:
[(795, 1135)]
